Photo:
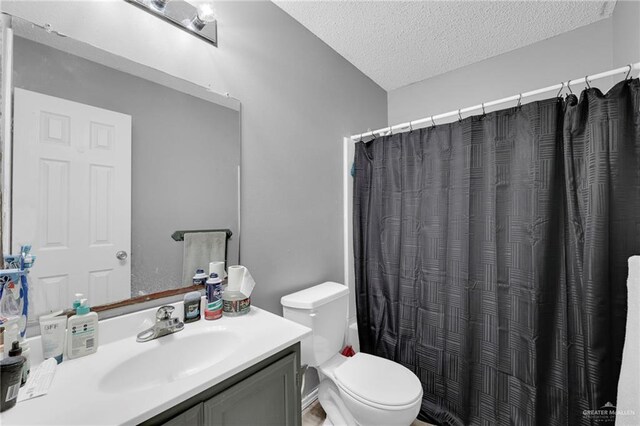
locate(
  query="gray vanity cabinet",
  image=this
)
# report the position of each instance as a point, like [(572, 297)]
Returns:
[(267, 393), (191, 417), (266, 398)]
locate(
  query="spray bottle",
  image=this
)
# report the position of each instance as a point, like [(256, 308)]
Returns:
[(14, 286)]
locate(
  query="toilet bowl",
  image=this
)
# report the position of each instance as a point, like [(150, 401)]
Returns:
[(363, 390), (374, 390)]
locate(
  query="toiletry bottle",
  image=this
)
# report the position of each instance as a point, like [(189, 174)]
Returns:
[(11, 332), (17, 350), (200, 277), (26, 354), (192, 306), (76, 303), (82, 332), (213, 307), (53, 330)]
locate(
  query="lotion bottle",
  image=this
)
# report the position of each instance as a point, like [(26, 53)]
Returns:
[(82, 331)]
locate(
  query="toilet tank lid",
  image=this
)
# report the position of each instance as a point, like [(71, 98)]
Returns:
[(313, 297)]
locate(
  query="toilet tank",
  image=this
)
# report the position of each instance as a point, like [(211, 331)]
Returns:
[(322, 308)]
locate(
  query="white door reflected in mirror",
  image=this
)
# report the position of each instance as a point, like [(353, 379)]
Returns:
[(72, 199)]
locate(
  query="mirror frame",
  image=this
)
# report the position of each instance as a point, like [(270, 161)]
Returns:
[(118, 63)]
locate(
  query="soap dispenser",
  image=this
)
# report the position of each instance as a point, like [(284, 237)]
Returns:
[(82, 330)]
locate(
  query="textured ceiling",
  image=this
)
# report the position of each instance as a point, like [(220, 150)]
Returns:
[(397, 43)]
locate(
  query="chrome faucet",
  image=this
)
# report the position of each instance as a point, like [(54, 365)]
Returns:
[(164, 325)]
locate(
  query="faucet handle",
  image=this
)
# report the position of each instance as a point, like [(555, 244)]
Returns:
[(164, 313)]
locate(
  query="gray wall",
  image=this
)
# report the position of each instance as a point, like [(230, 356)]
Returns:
[(626, 32), (185, 153), (586, 50), (300, 98)]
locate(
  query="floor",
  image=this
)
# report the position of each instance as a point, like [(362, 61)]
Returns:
[(314, 415)]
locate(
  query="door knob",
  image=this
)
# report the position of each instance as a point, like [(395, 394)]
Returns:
[(121, 255)]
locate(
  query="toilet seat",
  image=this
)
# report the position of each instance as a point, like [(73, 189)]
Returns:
[(391, 408), (378, 382)]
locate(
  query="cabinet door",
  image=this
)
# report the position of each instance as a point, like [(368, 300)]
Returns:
[(268, 397), (191, 417)]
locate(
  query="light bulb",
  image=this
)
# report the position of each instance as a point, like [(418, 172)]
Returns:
[(159, 5), (206, 13)]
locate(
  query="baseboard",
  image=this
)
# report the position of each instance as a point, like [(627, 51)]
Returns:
[(309, 399)]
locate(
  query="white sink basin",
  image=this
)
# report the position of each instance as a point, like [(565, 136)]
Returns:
[(167, 359)]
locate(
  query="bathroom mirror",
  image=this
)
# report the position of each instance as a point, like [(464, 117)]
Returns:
[(107, 159)]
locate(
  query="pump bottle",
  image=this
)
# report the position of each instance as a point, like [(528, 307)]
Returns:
[(82, 330)]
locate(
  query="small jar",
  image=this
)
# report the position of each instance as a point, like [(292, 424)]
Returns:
[(10, 379), (235, 303), (19, 350)]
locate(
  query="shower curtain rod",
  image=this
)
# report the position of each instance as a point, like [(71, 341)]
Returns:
[(410, 124)]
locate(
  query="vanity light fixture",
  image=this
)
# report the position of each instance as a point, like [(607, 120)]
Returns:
[(199, 21)]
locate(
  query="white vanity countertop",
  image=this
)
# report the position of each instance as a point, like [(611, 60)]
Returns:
[(115, 386)]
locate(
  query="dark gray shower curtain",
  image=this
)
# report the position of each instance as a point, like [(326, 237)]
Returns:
[(490, 257)]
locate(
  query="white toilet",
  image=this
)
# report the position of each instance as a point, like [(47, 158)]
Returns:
[(363, 390)]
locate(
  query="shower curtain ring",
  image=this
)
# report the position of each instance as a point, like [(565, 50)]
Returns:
[(569, 87), (459, 116), (483, 111), (586, 80), (629, 72), (560, 91), (519, 101), (410, 127), (433, 123)]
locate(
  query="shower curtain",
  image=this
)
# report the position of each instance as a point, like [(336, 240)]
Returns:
[(491, 257)]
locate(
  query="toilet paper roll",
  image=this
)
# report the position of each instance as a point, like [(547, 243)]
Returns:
[(248, 283), (236, 274), (218, 268), (240, 280)]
